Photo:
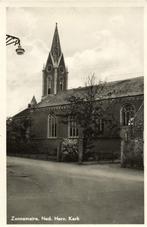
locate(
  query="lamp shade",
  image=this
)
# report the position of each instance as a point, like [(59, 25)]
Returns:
[(20, 50)]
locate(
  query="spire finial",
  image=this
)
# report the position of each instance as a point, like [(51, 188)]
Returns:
[(56, 24), (33, 102)]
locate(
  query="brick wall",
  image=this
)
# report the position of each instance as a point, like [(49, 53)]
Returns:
[(107, 142)]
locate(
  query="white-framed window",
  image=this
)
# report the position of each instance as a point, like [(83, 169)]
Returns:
[(73, 131), (127, 114), (52, 127), (99, 125)]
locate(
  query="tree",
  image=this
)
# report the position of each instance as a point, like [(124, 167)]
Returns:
[(18, 128), (89, 112), (17, 132)]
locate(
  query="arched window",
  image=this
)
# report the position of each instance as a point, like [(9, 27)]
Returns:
[(127, 114), (49, 84), (72, 128), (101, 125), (61, 83), (52, 126)]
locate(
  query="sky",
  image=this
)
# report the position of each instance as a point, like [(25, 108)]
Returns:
[(106, 41)]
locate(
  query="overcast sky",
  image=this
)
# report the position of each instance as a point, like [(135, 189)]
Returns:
[(104, 41)]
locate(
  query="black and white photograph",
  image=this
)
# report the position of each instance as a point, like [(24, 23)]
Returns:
[(75, 114)]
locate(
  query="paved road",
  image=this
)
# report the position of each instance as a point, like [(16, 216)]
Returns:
[(49, 192)]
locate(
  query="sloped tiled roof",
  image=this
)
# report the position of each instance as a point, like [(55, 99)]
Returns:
[(121, 88), (22, 113)]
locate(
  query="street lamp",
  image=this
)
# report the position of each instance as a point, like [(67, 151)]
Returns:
[(16, 41)]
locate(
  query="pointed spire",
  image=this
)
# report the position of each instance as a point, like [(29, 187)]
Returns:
[(56, 48), (32, 103)]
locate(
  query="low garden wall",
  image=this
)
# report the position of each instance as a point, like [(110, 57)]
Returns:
[(45, 149)]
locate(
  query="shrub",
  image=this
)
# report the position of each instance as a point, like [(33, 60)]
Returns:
[(69, 150)]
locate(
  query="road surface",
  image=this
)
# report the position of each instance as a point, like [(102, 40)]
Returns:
[(65, 193)]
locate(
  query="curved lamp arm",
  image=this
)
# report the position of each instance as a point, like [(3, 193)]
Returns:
[(16, 41), (12, 40)]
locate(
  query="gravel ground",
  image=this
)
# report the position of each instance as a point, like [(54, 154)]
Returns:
[(43, 192)]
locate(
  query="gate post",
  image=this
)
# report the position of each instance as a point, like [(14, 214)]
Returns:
[(80, 156), (59, 151)]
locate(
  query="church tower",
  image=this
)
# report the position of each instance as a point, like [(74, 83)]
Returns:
[(55, 72)]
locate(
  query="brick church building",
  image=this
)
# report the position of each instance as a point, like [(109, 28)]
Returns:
[(47, 127)]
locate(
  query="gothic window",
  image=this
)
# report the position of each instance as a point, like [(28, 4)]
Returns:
[(127, 114), (100, 125), (61, 84), (49, 84), (72, 128), (52, 126)]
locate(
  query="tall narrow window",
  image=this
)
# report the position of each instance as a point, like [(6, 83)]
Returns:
[(49, 86), (100, 125), (73, 130), (61, 85), (52, 126), (127, 114)]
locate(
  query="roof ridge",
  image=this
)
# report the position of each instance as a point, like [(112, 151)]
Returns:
[(109, 82)]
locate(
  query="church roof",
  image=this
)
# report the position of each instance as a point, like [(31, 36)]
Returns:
[(24, 113), (114, 89)]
